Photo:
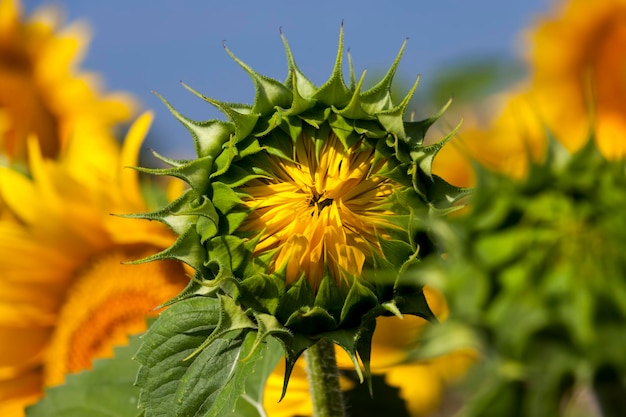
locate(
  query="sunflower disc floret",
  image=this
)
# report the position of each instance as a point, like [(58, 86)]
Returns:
[(303, 211)]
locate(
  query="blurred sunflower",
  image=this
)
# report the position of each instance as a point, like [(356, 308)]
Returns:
[(392, 341), (65, 297), (577, 61), (503, 145), (579, 73), (40, 90)]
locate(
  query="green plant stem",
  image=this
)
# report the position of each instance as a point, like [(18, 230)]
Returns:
[(321, 366)]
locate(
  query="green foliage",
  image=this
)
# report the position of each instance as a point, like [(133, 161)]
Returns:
[(182, 374), (536, 274)]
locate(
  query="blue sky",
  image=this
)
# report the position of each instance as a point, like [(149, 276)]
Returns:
[(140, 45)]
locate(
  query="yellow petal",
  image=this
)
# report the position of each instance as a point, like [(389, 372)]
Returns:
[(130, 155), (420, 387), (22, 347), (17, 393), (9, 16)]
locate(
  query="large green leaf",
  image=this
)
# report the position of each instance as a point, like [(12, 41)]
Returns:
[(105, 391), (180, 376)]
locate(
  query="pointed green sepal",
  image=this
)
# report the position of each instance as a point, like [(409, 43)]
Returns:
[(225, 254), (334, 92), (269, 92), (186, 249), (242, 117), (208, 136), (171, 215), (268, 325), (262, 292), (343, 130), (416, 131), (195, 173), (425, 155), (359, 300), (378, 98), (298, 295), (354, 109), (311, 320), (411, 300), (305, 88), (393, 119), (293, 345)]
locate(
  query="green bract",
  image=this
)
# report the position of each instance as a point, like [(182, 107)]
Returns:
[(535, 275), (236, 299)]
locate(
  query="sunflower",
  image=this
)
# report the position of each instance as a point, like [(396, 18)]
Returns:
[(503, 145), (40, 90), (579, 66), (577, 85), (303, 214), (65, 297)]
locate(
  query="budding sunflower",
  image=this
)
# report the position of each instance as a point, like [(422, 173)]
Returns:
[(303, 211)]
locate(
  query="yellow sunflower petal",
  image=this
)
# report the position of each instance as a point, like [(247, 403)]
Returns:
[(17, 393), (25, 354), (338, 202), (420, 387), (40, 89), (130, 156)]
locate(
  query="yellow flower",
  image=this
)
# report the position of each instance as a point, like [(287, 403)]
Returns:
[(579, 61), (502, 146), (65, 297), (321, 211), (40, 92), (392, 339), (577, 86)]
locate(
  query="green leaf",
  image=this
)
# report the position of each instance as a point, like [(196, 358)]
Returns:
[(250, 404), (175, 381), (214, 382), (105, 391), (175, 335)]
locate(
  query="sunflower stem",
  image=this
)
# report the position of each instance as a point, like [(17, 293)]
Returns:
[(321, 366)]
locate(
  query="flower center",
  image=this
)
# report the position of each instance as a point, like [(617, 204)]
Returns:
[(321, 212), (107, 303), (320, 202)]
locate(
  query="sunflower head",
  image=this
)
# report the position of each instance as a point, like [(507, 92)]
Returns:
[(305, 208)]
